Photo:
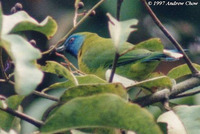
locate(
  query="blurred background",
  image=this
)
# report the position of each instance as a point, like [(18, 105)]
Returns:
[(182, 21)]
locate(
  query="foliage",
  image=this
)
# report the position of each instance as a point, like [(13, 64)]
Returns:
[(86, 103)]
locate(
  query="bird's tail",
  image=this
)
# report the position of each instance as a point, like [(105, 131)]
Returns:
[(167, 55)]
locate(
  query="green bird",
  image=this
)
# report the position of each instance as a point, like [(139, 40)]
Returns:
[(95, 55)]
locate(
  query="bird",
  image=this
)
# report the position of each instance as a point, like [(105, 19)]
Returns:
[(95, 55)]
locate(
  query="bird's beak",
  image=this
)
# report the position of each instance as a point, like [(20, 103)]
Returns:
[(61, 48)]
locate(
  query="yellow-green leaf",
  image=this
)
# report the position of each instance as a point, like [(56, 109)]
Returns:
[(181, 71), (103, 110), (58, 69), (93, 89)]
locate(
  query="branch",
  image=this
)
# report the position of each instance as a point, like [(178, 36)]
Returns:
[(73, 28), (23, 116), (161, 95), (187, 94), (119, 3), (194, 71), (43, 95)]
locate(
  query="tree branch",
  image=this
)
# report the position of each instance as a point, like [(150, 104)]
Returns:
[(119, 3), (194, 71), (174, 93), (23, 116)]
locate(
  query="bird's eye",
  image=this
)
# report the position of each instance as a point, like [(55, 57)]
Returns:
[(71, 40)]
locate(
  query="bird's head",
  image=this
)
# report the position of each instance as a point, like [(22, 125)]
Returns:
[(72, 44)]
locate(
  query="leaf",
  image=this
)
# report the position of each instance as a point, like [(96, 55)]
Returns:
[(153, 44), (120, 31), (181, 71), (88, 90), (182, 120), (21, 21), (104, 110), (58, 69), (6, 119), (89, 79), (24, 55), (153, 84), (83, 80)]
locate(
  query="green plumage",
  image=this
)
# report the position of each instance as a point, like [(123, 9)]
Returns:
[(96, 56)]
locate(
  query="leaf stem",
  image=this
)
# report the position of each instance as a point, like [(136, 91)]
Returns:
[(23, 116), (194, 71), (74, 28), (114, 66)]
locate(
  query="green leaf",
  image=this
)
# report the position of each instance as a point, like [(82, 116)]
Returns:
[(7, 120), (83, 80), (181, 71), (21, 21), (24, 55), (88, 90), (59, 86), (182, 120), (120, 31), (104, 110), (153, 44), (154, 84), (58, 69), (90, 79)]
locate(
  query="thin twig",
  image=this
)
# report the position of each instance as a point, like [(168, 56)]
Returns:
[(35, 92), (117, 55), (69, 63), (187, 94), (126, 51), (119, 3), (75, 16), (74, 28), (194, 71), (23, 116), (43, 95)]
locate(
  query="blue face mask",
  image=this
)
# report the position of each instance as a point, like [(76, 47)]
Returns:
[(72, 45)]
